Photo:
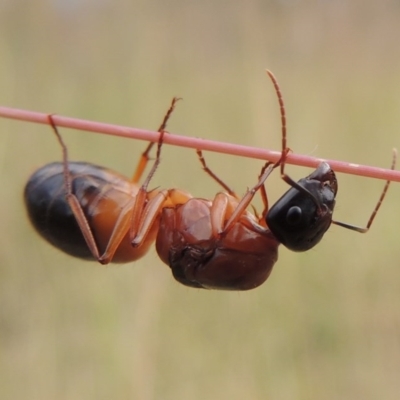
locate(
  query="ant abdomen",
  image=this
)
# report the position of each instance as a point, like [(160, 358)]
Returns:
[(102, 193)]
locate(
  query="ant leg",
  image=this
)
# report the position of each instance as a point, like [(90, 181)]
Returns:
[(151, 212), (263, 191), (141, 209), (140, 222), (138, 209), (248, 197), (214, 176), (131, 214), (378, 205), (134, 213), (229, 190), (71, 198), (144, 158), (143, 189)]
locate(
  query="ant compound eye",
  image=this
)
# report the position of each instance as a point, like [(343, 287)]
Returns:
[(293, 216)]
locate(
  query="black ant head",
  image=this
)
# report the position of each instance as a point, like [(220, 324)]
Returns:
[(303, 214)]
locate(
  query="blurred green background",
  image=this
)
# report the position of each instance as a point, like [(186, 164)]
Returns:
[(326, 325)]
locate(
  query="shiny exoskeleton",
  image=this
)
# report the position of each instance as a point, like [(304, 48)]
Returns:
[(104, 196), (216, 244)]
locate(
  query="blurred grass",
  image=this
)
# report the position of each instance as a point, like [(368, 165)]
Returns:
[(326, 324)]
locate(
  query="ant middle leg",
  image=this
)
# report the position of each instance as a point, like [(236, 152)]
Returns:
[(214, 175), (144, 158), (134, 216)]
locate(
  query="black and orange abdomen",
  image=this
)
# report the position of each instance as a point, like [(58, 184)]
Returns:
[(102, 194)]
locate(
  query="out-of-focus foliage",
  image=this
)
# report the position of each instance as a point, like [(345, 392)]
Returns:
[(326, 324)]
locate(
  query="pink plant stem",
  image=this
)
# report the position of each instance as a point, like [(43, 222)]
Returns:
[(197, 143)]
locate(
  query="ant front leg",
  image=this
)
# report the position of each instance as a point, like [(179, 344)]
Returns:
[(248, 197), (378, 205), (263, 191)]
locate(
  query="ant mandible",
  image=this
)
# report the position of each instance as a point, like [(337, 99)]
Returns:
[(220, 245), (93, 213)]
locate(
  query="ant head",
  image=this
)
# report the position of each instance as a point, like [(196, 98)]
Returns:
[(303, 214)]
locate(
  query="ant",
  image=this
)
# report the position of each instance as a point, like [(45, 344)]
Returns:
[(92, 212), (218, 244)]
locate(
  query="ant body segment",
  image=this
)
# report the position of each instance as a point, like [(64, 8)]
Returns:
[(220, 245), (93, 213)]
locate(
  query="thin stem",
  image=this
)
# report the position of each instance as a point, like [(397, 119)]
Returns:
[(202, 144)]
